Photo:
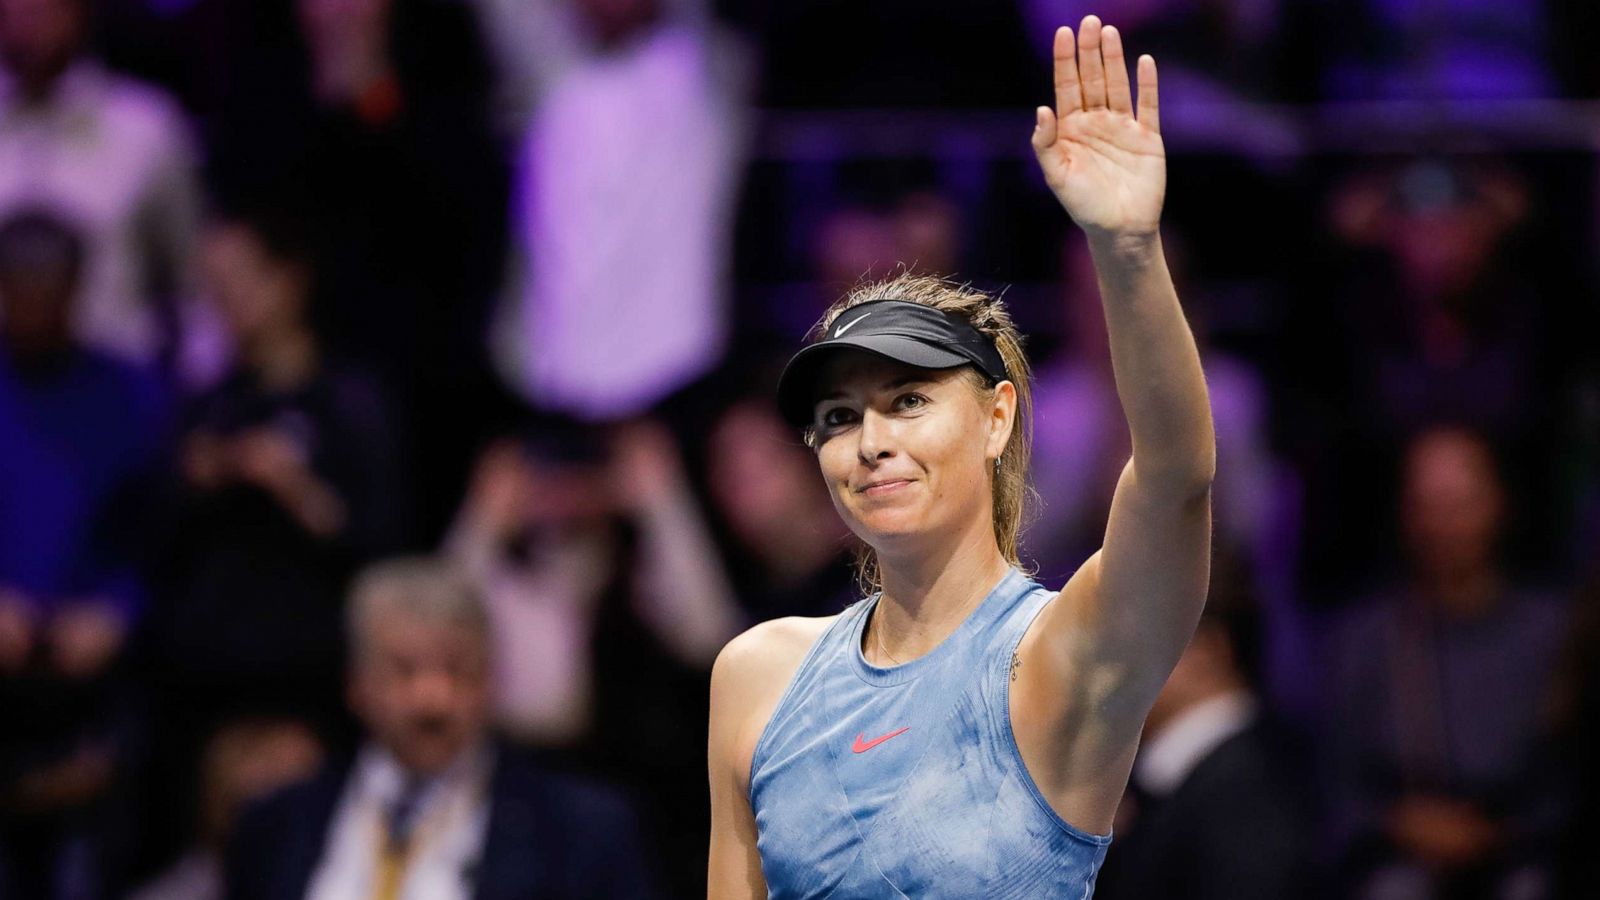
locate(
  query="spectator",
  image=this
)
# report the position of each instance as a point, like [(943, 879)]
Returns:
[(1212, 765), (82, 437), (536, 537), (1433, 738), (1431, 318), (115, 156), (541, 536), (1440, 326), (431, 807), (609, 603), (289, 479), (370, 117), (577, 336), (244, 762)]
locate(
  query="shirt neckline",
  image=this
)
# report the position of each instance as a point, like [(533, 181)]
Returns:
[(906, 671)]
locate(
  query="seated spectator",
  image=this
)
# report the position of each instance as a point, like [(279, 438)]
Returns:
[(1434, 737), (81, 440), (243, 762), (289, 479), (113, 154), (431, 807), (1212, 766)]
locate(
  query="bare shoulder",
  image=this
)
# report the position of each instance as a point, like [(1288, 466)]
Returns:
[(749, 678)]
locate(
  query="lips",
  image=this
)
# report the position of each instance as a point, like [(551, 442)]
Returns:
[(883, 486)]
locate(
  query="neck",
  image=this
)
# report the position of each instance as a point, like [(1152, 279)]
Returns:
[(283, 362), (927, 595)]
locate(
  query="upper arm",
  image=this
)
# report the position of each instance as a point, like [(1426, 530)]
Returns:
[(748, 681), (734, 868), (1123, 620)]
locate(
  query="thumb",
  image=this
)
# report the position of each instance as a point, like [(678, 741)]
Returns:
[(1044, 129)]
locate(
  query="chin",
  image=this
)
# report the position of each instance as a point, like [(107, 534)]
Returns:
[(882, 528), (429, 759)]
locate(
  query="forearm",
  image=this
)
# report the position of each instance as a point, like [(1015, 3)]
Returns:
[(1157, 366)]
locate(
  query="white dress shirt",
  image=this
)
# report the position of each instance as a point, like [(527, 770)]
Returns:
[(452, 819), (1167, 758)]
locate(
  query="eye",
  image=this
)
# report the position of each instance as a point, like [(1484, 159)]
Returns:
[(910, 401), (837, 416)]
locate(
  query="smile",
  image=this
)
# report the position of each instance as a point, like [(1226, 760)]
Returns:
[(878, 488)]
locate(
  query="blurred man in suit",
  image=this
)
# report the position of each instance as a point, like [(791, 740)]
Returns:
[(1212, 768), (431, 807)]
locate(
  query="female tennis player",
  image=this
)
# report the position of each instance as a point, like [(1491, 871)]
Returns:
[(964, 732)]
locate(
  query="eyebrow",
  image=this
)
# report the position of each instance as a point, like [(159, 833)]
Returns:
[(902, 381)]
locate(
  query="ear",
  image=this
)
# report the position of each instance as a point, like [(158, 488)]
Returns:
[(1002, 419)]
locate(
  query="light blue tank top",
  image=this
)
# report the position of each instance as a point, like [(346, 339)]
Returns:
[(907, 781)]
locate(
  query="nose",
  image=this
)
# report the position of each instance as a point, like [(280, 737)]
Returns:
[(433, 689), (877, 438)]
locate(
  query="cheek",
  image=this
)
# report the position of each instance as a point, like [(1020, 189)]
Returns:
[(835, 462)]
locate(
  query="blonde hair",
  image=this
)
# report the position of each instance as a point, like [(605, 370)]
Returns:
[(1014, 496)]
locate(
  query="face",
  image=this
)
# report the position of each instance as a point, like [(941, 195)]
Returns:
[(1452, 502), (256, 293), (38, 311), (907, 453), (325, 22), (422, 688), (38, 38), (613, 20)]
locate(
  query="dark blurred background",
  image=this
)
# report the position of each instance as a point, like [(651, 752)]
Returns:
[(287, 288)]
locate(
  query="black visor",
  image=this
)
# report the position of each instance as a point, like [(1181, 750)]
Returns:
[(900, 330)]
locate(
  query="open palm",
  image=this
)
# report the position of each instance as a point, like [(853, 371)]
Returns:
[(1106, 166)]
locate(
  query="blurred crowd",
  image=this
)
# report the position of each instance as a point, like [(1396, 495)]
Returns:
[(387, 443)]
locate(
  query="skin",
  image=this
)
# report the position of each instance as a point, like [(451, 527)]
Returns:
[(1093, 662), (39, 40), (1452, 511), (38, 324), (422, 689)]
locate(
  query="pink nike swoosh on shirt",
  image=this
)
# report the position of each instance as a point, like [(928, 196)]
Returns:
[(861, 746)]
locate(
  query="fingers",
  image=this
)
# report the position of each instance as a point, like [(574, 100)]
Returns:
[(1119, 96), (1091, 70), (1044, 129), (1069, 95), (1149, 97)]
